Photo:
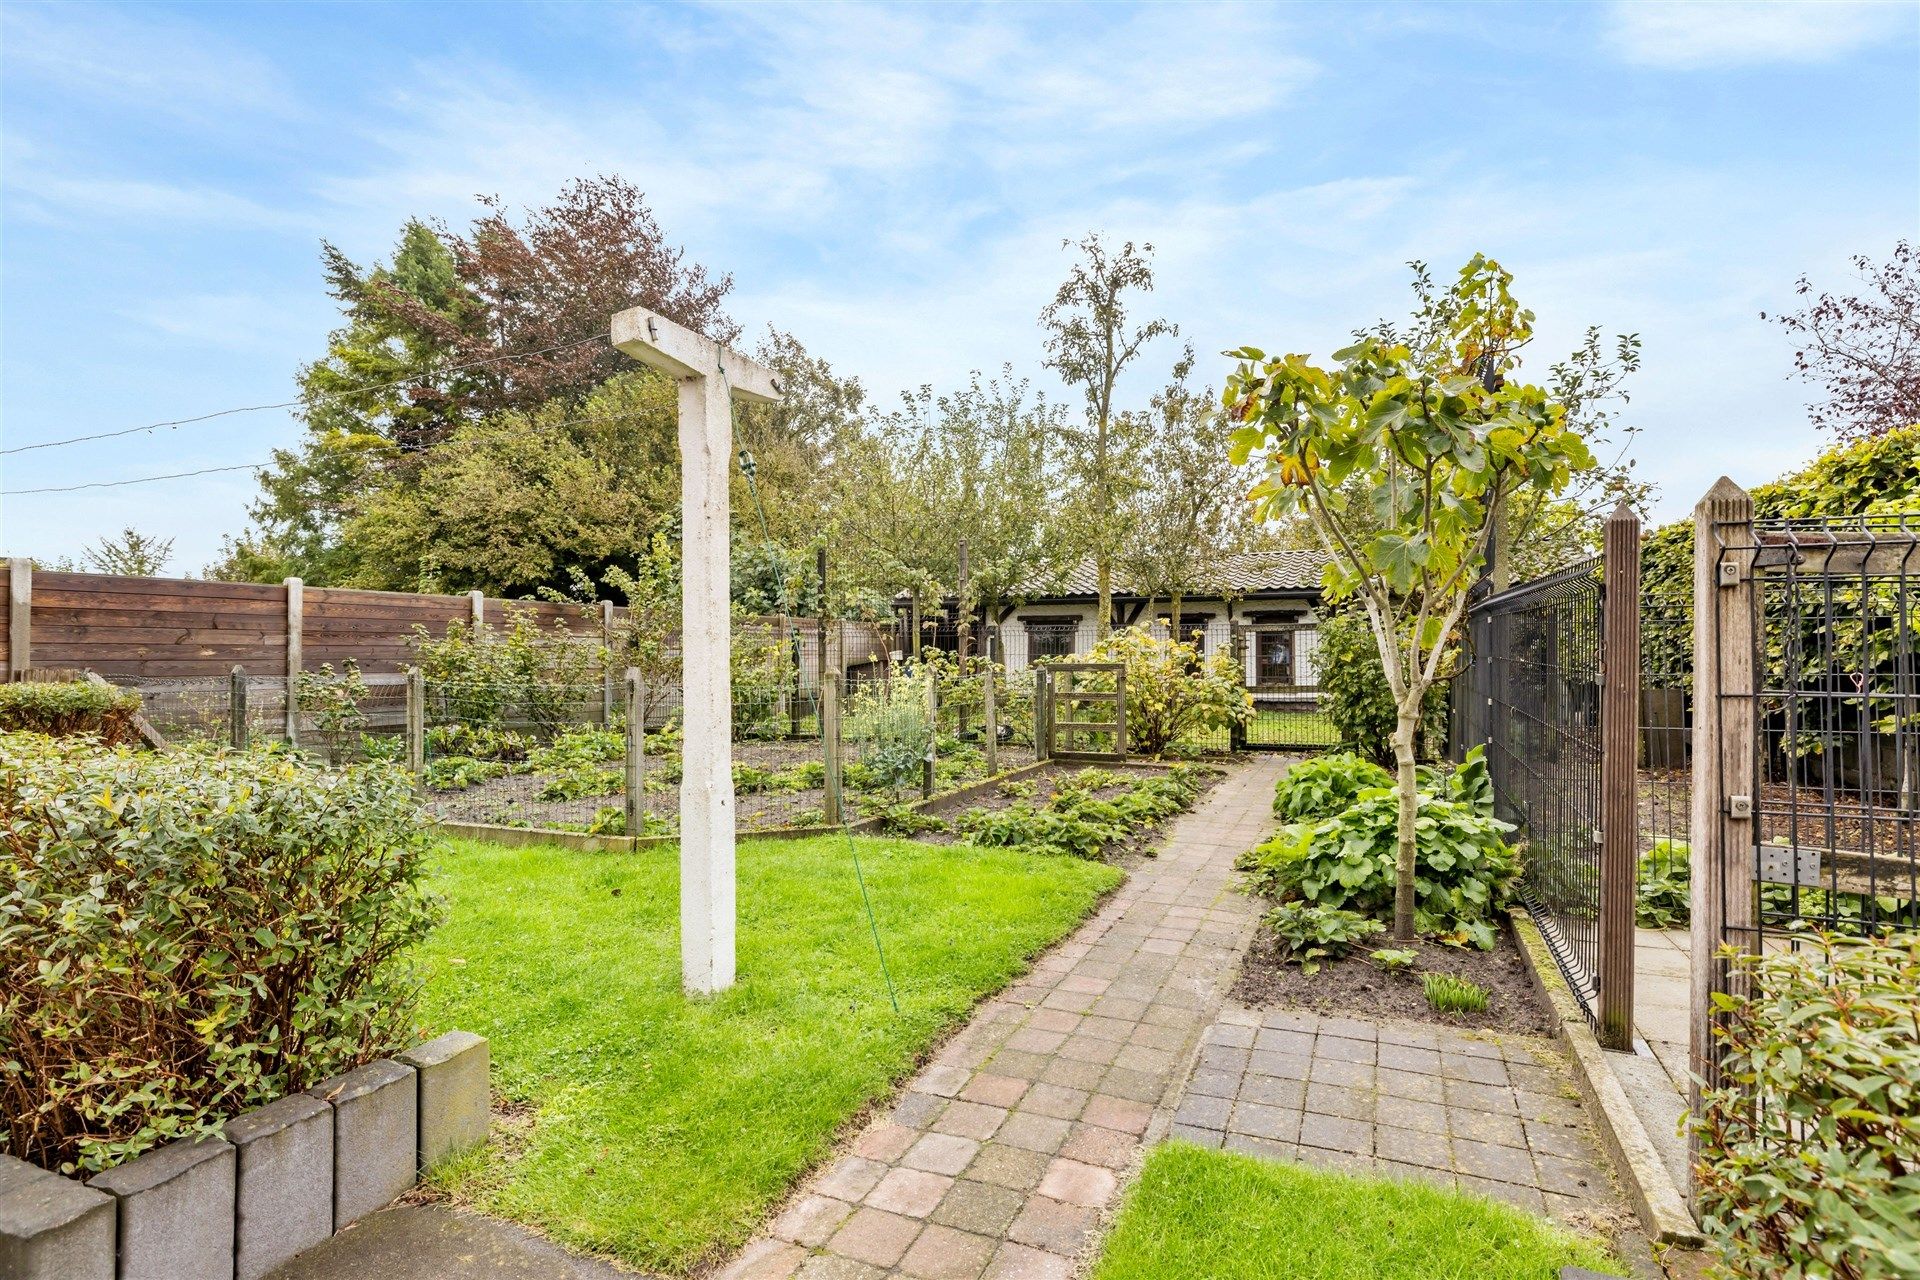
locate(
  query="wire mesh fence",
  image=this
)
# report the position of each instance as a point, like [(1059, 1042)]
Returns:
[(1536, 680), (1663, 792)]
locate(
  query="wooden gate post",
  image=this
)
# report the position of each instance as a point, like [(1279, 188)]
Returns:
[(1725, 614), (1619, 781), (992, 714), (636, 749), (830, 745), (606, 663), (933, 733), (1042, 712), (237, 708), (417, 726)]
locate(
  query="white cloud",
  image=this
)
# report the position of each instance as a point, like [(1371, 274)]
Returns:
[(111, 199), (1688, 34)]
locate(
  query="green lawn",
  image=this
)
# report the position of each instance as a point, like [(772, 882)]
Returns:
[(663, 1129), (1233, 1217)]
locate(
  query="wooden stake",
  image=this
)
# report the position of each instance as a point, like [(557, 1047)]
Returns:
[(993, 719), (417, 726), (1619, 775), (830, 745), (636, 753), (237, 708), (296, 624)]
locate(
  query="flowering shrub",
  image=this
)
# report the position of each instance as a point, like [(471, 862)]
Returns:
[(1172, 690), (1810, 1151), (185, 936)]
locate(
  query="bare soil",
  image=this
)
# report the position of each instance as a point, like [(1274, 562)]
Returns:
[(1358, 987)]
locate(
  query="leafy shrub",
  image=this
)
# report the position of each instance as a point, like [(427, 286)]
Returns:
[(1394, 959), (1463, 869), (1355, 696), (68, 708), (888, 719), (1325, 785), (1173, 690), (1309, 934), (488, 676), (457, 773), (1810, 1152), (611, 820), (906, 820), (1078, 822), (184, 936), (331, 700), (576, 784), (578, 749), (1665, 890), (478, 742), (1449, 994)]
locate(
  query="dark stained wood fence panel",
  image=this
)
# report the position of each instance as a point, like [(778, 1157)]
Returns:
[(157, 628)]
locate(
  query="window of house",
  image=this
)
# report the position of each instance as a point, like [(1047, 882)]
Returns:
[(1194, 629), (1050, 639), (1273, 657)]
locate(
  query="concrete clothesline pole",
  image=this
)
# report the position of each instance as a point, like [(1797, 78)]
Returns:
[(707, 373)]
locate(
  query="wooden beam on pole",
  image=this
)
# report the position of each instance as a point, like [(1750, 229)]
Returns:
[(1619, 774), (1725, 618), (711, 378)]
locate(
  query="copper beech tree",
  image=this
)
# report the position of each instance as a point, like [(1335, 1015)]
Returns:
[(1400, 454)]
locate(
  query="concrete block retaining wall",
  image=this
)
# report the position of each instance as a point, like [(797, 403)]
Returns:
[(283, 1179)]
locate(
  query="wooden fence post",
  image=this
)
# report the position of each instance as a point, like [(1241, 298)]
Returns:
[(477, 608), (237, 708), (1723, 775), (1619, 774), (417, 726), (606, 663), (1120, 714), (636, 761), (1042, 713), (296, 625), (992, 727), (830, 746), (19, 617), (933, 734)]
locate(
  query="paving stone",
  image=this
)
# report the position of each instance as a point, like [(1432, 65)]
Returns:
[(1094, 1145), (1088, 1185), (811, 1220), (1349, 1028), (1279, 1040), (1287, 1066), (1405, 1113), (1402, 1057), (1341, 1049), (1074, 1074), (1418, 1037), (1220, 1057), (979, 1207), (941, 1153), (1413, 1146), (943, 1081), (1336, 1134), (1525, 1197), (1125, 1114), (1214, 1084), (1413, 1173), (1290, 1020), (1279, 1124), (912, 1193), (970, 1120), (875, 1237), (1339, 1161), (1339, 1100), (828, 1267), (1410, 1085), (1230, 1035), (885, 1141), (1357, 1075), (994, 1090), (1025, 1066), (1062, 1020), (943, 1253), (1247, 1144), (850, 1178), (1549, 1108), (1016, 1168), (1055, 1100), (1133, 1084), (1085, 1048), (1196, 1135), (1034, 1132), (765, 1260), (1204, 1111), (1487, 1126), (1486, 1160), (1458, 1066), (1023, 1262), (918, 1110), (1469, 1046), (1567, 1177), (1053, 1225), (1273, 1091), (1481, 1097), (1557, 1140)]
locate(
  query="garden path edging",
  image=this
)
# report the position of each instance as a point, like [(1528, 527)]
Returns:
[(285, 1177), (1657, 1200)]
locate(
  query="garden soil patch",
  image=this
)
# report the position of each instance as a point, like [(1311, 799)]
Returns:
[(1357, 987)]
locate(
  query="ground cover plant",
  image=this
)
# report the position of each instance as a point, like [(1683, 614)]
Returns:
[(1810, 1152), (660, 1129), (1085, 813), (186, 936), (1227, 1216)]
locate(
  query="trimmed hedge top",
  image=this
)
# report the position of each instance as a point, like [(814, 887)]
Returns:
[(70, 707)]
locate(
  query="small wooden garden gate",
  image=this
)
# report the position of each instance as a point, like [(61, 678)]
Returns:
[(1065, 693)]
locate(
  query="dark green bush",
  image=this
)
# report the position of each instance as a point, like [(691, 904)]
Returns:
[(1810, 1152), (70, 708), (1325, 785), (185, 936), (1354, 694), (1309, 934)]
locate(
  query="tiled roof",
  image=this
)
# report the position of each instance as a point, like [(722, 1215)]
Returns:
[(1249, 573)]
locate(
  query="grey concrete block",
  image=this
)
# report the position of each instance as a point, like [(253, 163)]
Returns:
[(175, 1211), (376, 1133), (283, 1156), (453, 1094), (53, 1228)]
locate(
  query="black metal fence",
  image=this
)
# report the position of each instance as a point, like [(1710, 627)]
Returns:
[(1531, 697)]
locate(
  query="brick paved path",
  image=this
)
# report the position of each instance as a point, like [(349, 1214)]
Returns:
[(1000, 1156), (1490, 1114)]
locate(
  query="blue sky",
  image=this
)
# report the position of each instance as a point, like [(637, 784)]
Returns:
[(892, 185)]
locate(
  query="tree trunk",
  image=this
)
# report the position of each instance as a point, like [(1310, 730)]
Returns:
[(1405, 851), (1103, 622)]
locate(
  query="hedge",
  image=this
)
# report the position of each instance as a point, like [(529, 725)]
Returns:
[(185, 936), (70, 707)]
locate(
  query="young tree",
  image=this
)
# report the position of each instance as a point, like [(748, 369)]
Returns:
[(1185, 526), (1426, 430), (1089, 344), (131, 553), (1863, 348)]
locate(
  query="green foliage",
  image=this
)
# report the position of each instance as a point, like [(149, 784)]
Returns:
[(1394, 959), (908, 820), (888, 723), (1309, 934), (523, 675), (457, 773), (1325, 785), (1463, 870), (68, 708), (1664, 895), (1355, 696), (481, 742), (332, 701), (1075, 820), (1172, 690), (611, 820), (1809, 1150), (188, 935), (1449, 994)]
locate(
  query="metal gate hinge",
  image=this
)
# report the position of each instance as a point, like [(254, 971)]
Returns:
[(1739, 806), (1730, 575)]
